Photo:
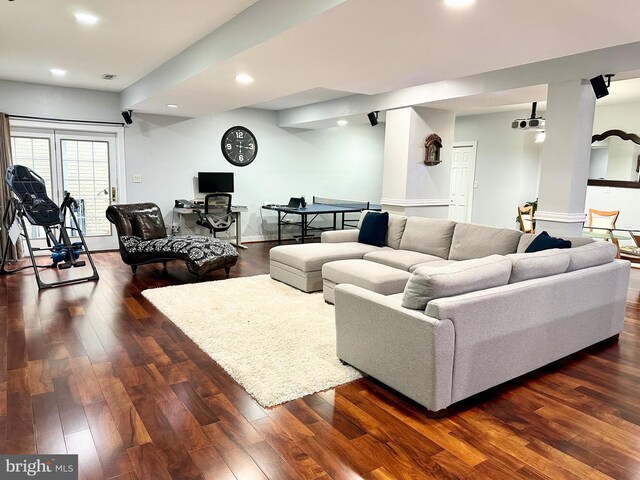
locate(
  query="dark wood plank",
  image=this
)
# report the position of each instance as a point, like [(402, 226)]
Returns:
[(81, 443), (70, 405), (179, 464), (148, 463), (48, 428), (113, 456), (194, 403), (210, 464), (20, 434)]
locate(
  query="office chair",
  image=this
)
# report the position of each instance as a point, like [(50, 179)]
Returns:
[(217, 215)]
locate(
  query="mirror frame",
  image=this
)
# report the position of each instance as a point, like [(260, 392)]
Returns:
[(615, 183)]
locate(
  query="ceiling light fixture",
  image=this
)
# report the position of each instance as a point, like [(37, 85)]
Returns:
[(172, 105), (86, 18), (342, 123), (58, 72), (244, 78), (459, 3)]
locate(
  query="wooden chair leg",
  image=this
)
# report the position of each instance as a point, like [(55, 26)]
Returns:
[(164, 267), (134, 268), (227, 270), (617, 244)]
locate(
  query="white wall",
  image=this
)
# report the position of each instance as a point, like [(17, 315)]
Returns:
[(507, 166), (343, 162), (31, 99)]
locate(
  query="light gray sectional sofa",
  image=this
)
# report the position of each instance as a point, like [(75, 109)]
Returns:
[(446, 310)]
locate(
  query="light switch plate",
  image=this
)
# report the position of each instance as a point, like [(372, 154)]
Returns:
[(137, 179), (475, 184)]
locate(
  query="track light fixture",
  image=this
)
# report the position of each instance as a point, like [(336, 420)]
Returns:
[(373, 118), (126, 115), (600, 86)]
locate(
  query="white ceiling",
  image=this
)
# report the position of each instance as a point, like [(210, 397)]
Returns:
[(359, 46), (131, 38)]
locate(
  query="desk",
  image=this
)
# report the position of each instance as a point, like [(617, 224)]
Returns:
[(313, 210), (236, 211)]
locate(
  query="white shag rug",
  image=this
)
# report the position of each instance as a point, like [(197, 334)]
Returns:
[(277, 342)]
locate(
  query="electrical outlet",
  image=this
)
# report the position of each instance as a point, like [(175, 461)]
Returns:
[(137, 179), (607, 189), (475, 184)]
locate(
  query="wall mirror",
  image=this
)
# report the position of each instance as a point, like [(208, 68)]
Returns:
[(615, 159)]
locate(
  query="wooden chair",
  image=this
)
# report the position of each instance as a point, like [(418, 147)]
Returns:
[(525, 217), (604, 218)]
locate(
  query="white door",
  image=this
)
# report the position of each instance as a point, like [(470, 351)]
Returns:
[(81, 163), (463, 169)]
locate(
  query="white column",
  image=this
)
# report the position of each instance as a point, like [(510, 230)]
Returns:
[(565, 158), (409, 186)]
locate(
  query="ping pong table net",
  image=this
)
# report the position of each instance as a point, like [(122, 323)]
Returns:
[(341, 203)]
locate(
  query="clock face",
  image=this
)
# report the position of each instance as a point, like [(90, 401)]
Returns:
[(239, 146)]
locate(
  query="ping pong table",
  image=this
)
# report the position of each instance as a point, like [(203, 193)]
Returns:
[(310, 213)]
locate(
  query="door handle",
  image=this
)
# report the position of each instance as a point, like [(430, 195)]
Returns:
[(114, 194)]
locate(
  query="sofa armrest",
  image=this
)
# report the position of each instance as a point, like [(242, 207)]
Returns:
[(403, 348), (340, 236)]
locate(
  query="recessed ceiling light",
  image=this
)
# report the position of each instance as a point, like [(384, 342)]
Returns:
[(244, 78), (86, 18), (172, 105), (342, 123), (58, 72), (459, 3)]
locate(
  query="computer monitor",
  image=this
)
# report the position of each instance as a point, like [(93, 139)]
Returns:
[(214, 182)]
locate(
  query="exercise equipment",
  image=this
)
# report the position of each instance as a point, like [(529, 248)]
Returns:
[(60, 223)]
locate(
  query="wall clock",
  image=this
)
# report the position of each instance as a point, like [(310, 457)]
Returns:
[(239, 146)]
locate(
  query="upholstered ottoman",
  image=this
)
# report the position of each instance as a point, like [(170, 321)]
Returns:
[(301, 265), (373, 276)]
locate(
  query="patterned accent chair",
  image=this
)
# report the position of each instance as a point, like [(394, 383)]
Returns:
[(143, 239)]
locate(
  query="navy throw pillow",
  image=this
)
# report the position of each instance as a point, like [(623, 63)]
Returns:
[(545, 242), (374, 228)]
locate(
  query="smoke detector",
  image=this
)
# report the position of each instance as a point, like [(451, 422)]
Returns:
[(108, 76)]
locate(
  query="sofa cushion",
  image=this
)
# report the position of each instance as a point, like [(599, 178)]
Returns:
[(311, 256), (477, 241), (370, 275), (544, 241), (374, 228), (428, 235), (526, 266), (427, 283), (590, 255), (394, 230), (527, 238), (403, 259)]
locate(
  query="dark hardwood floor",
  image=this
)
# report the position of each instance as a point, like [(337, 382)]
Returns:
[(94, 369)]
